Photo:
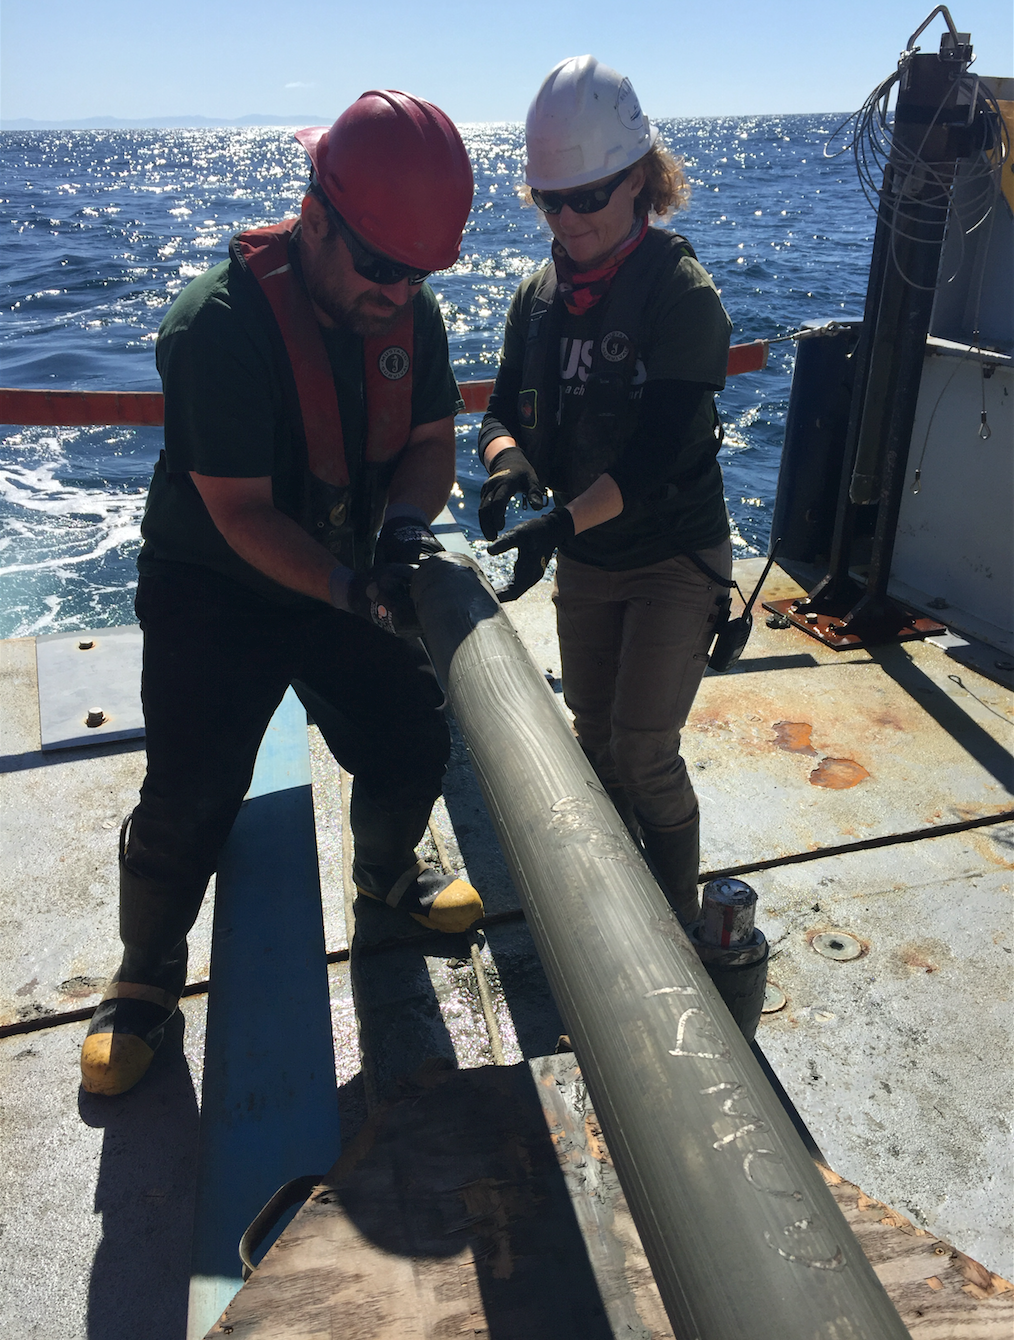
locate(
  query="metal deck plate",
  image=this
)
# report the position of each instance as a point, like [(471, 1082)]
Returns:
[(61, 812), (800, 747), (98, 671), (97, 1193), (833, 630), (897, 1058)]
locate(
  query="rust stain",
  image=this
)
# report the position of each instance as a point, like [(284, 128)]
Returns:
[(794, 736), (594, 1140), (912, 958), (991, 844), (963, 812), (746, 711), (837, 774), (925, 955), (891, 722), (712, 726)]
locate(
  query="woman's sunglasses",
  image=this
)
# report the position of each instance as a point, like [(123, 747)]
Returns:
[(589, 201), (370, 265)]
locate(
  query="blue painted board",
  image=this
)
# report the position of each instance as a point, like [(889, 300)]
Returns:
[(269, 1109)]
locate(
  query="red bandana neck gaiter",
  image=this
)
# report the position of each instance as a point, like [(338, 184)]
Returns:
[(582, 289)]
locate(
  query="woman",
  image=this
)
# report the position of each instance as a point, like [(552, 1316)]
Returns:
[(605, 395)]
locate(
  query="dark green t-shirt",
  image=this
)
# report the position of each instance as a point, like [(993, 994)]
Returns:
[(684, 338), (230, 410)]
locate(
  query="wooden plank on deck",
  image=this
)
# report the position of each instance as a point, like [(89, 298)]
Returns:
[(481, 1203), (484, 1203)]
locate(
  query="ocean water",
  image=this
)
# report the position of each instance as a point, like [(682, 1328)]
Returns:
[(102, 229)]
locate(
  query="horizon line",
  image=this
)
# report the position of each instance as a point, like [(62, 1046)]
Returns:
[(256, 120)]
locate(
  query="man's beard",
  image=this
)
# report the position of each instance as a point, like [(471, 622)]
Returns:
[(367, 314), (367, 321)]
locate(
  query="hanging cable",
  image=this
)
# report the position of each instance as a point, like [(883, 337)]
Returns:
[(869, 136)]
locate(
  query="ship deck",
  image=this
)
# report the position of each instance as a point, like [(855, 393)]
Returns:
[(867, 796)]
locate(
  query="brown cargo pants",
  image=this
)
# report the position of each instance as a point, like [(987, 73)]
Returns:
[(633, 647)]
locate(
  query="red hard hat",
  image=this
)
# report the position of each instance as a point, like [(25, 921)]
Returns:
[(397, 172)]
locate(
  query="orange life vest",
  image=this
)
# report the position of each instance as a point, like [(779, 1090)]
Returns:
[(264, 253)]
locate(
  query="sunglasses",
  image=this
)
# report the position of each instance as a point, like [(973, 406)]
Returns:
[(589, 201), (370, 265)]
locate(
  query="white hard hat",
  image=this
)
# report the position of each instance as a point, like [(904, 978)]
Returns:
[(584, 124)]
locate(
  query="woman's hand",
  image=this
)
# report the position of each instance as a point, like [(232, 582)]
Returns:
[(536, 541), (510, 473)]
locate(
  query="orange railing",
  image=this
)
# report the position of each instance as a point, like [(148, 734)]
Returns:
[(144, 408)]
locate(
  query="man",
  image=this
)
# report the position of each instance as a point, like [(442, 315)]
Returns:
[(309, 403)]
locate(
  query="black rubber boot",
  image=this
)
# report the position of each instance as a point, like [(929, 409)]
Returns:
[(385, 840), (440, 902), (128, 1025), (386, 868), (674, 857)]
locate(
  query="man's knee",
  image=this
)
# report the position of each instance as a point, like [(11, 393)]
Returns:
[(407, 767), (177, 839)]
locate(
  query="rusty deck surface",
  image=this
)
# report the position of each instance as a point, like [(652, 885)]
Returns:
[(802, 747)]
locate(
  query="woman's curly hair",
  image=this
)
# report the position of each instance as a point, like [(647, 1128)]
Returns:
[(665, 186)]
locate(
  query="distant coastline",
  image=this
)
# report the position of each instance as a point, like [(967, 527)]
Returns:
[(161, 122)]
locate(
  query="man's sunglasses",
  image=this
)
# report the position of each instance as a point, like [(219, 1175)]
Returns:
[(589, 201), (370, 265)]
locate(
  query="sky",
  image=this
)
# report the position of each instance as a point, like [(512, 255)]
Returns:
[(480, 60)]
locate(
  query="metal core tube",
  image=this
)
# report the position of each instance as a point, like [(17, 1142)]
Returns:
[(744, 1239)]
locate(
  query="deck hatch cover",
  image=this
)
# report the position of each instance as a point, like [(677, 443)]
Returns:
[(76, 679)]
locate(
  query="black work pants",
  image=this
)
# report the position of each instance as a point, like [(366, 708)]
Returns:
[(217, 661)]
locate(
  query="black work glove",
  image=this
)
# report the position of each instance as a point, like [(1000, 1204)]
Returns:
[(510, 472), (383, 596), (406, 539), (536, 541)]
